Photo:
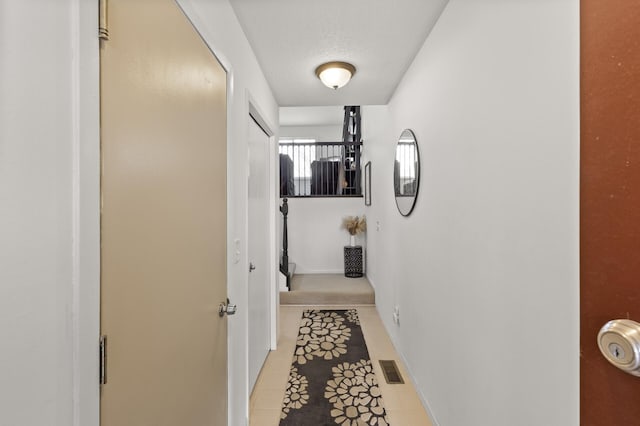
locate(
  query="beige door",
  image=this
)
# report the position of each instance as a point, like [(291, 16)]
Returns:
[(163, 100)]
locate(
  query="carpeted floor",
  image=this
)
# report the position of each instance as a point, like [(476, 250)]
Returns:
[(328, 289)]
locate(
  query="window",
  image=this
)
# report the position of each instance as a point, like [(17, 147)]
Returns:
[(319, 169), (405, 167)]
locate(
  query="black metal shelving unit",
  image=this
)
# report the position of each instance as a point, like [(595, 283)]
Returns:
[(352, 137)]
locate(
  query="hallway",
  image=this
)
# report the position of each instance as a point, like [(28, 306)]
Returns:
[(493, 92), (401, 401)]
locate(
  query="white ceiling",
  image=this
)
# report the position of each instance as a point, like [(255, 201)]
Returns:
[(292, 37)]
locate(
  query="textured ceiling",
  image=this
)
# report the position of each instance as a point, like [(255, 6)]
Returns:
[(292, 37)]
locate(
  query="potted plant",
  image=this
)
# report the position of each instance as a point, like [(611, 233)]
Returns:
[(354, 225)]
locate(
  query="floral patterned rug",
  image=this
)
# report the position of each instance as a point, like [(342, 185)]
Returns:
[(332, 381)]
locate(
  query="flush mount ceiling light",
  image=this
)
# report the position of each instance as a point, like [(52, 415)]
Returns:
[(335, 74)]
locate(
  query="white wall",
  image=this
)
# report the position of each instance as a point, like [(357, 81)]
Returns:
[(316, 239), (315, 235), (49, 214), (48, 187), (326, 133), (485, 270)]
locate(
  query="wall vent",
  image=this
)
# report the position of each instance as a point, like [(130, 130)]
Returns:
[(391, 373)]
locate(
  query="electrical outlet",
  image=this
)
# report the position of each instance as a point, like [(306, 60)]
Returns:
[(377, 225), (396, 315)]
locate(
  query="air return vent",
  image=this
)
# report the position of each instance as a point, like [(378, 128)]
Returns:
[(391, 372)]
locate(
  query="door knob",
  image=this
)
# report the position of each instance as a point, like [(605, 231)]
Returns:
[(619, 342), (252, 267), (227, 308)]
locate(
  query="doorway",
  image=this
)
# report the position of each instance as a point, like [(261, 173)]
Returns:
[(259, 241)]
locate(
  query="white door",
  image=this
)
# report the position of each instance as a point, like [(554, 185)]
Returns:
[(259, 268), (164, 227)]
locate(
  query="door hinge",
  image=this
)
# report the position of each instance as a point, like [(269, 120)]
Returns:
[(103, 360), (103, 24)]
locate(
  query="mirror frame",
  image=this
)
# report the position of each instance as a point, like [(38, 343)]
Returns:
[(367, 184), (418, 172)]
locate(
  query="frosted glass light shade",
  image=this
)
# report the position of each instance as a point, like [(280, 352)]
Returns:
[(335, 74)]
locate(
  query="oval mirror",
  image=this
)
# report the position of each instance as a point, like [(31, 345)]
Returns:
[(406, 172)]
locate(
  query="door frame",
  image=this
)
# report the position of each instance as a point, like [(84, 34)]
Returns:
[(85, 177), (255, 114), (86, 195)]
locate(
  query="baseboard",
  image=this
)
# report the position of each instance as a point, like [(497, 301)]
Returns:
[(301, 271), (411, 377), (370, 282)]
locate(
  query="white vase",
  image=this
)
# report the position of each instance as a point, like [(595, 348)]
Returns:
[(352, 240)]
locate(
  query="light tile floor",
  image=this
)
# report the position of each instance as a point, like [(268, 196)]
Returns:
[(401, 401)]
